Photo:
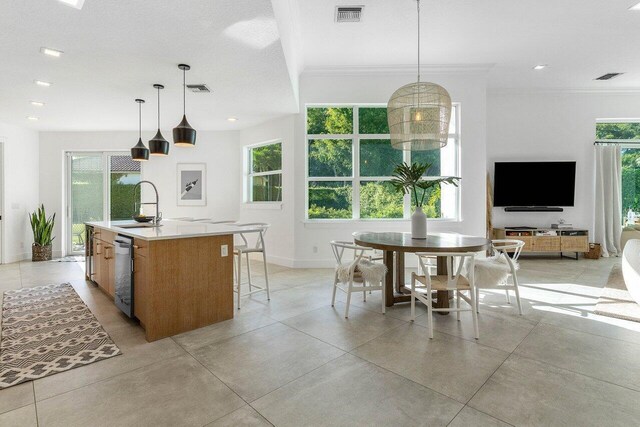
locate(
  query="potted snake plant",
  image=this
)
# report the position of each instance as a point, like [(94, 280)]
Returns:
[(408, 179), (42, 234)]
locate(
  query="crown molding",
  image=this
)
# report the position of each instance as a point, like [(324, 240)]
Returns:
[(563, 90), (362, 70)]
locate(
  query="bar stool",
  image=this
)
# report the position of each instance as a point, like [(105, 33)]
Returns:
[(246, 249)]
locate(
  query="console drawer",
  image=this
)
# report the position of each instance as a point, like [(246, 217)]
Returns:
[(546, 244), (575, 244)]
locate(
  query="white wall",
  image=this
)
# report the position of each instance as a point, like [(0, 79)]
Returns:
[(552, 126), (466, 87), (279, 239), (217, 149), (20, 174)]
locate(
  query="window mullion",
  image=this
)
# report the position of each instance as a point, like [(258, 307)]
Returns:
[(355, 208)]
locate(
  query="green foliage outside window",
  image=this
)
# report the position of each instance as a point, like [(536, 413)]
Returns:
[(266, 158), (334, 158), (331, 120), (630, 161), (330, 157), (330, 199), (380, 200)]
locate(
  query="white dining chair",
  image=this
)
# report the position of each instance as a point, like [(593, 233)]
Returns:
[(454, 280), (504, 265), (356, 274), (246, 248)]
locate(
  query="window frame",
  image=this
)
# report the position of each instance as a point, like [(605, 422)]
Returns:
[(249, 174), (356, 178)]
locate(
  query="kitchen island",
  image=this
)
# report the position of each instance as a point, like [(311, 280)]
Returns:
[(180, 275)]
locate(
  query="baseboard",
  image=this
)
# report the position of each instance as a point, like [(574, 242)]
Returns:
[(26, 256)]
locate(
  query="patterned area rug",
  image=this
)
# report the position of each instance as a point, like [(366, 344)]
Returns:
[(46, 330), (615, 300)]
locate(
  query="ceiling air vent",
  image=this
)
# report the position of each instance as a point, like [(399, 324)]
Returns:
[(608, 76), (201, 88), (349, 13)]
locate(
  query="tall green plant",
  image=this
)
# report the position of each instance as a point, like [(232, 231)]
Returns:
[(408, 179), (42, 227)]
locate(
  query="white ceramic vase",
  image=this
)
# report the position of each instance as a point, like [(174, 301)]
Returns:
[(418, 224)]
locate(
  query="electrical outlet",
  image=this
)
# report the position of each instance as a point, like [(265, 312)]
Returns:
[(224, 250)]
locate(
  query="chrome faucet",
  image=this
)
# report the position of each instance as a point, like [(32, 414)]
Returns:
[(158, 217)]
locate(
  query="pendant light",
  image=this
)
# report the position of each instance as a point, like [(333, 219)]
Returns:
[(183, 134), (158, 146), (139, 152), (419, 113)]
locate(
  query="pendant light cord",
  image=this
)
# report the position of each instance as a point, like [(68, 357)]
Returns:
[(418, 2), (184, 91), (158, 108), (140, 120)]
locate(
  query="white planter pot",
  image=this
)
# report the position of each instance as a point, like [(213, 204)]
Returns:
[(418, 224)]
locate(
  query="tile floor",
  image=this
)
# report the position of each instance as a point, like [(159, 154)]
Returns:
[(295, 361)]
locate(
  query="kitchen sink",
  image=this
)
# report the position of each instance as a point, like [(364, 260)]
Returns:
[(139, 225)]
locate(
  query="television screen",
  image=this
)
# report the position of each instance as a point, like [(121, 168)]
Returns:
[(534, 184)]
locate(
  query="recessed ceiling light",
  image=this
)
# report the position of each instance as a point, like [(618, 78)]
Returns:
[(232, 119), (42, 83), (51, 52), (635, 7), (37, 103), (33, 119), (73, 3), (540, 67)]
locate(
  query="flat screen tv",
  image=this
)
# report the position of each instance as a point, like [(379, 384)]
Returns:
[(520, 184)]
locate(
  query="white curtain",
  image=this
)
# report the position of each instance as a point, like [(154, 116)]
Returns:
[(608, 214)]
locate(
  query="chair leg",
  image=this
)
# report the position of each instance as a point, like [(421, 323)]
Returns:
[(239, 276), (506, 291), (474, 311), (413, 296), (515, 286), (249, 272), (477, 292), (458, 305), (384, 298), (364, 293), (349, 290), (430, 319), (266, 274), (335, 286)]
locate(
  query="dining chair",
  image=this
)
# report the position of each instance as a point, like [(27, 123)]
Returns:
[(356, 270), (246, 248), (454, 280), (495, 272)]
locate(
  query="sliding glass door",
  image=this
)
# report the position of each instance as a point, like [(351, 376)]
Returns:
[(99, 187)]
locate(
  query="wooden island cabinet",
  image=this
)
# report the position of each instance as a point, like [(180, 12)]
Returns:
[(182, 273)]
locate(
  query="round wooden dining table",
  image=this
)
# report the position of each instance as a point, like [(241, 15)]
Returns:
[(398, 244)]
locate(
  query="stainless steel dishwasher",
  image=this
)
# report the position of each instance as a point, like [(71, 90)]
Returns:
[(124, 274)]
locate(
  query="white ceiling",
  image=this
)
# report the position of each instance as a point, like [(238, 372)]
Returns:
[(249, 55), (579, 39), (115, 50)]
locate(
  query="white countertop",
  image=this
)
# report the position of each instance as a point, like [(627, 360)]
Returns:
[(171, 229)]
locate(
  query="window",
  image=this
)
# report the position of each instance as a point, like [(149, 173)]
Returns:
[(264, 177), (99, 187), (629, 134), (350, 162)]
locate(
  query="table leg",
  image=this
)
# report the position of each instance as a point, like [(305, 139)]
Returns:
[(442, 298), (399, 272), (388, 280)]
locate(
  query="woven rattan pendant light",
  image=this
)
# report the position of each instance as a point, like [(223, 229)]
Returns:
[(419, 113), (140, 152)]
